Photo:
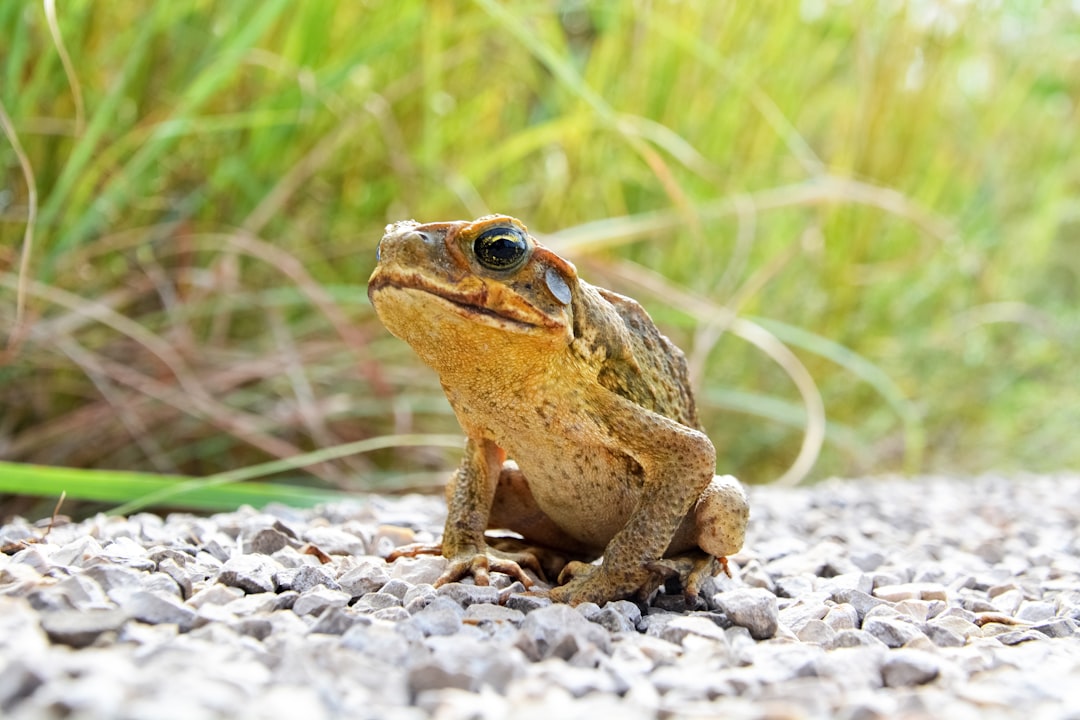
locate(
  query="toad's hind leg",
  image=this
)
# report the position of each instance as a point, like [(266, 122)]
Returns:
[(720, 517), (713, 529)]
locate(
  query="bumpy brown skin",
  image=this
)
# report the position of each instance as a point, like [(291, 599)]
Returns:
[(575, 384)]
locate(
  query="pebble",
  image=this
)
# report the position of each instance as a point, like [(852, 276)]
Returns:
[(911, 591), (317, 599), (861, 599), (752, 608), (367, 577), (157, 608), (250, 573), (909, 667), (79, 628)]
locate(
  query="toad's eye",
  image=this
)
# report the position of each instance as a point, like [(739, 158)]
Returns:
[(501, 248)]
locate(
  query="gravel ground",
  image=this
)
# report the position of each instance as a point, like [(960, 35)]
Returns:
[(859, 599)]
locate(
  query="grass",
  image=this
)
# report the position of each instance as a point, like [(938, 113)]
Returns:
[(860, 220)]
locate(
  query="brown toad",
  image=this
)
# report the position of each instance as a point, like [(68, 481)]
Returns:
[(576, 386)]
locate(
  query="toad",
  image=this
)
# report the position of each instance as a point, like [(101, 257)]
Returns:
[(582, 433)]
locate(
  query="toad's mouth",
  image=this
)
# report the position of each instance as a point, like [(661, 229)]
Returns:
[(469, 305)]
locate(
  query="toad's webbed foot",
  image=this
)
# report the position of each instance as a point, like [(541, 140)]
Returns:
[(691, 570), (582, 582), (479, 564)]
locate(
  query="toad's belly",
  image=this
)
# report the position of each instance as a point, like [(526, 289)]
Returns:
[(589, 492)]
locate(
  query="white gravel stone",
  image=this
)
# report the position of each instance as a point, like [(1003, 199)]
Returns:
[(842, 617), (678, 629), (894, 633), (909, 667), (912, 591), (417, 570), (250, 573), (155, 608), (559, 631), (752, 608), (317, 599)]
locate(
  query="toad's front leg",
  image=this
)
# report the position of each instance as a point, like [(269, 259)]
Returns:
[(469, 496), (678, 463)]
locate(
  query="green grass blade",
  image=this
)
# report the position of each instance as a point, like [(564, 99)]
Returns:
[(119, 486), (871, 374)]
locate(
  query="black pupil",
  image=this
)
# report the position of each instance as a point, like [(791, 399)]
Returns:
[(500, 248)]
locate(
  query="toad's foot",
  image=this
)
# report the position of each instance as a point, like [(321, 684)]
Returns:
[(592, 583), (691, 570), (479, 564)]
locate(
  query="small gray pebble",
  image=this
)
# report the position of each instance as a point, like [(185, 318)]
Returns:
[(1035, 611), (266, 541), (612, 620), (842, 617), (162, 584), (258, 603), (286, 600), (309, 576), (463, 663), (861, 601), (846, 581), (256, 627), (617, 616), (180, 575), (587, 609), (1057, 628), (559, 631), (894, 633), (334, 541), (794, 586), (854, 638), (817, 632), (526, 603), (396, 587), (1015, 637), (493, 613), (442, 616), (944, 636), (368, 577), (216, 594), (391, 614), (466, 595), (250, 573), (387, 644), (854, 666), (316, 600), (679, 628), (420, 569), (111, 577), (155, 609), (79, 628), (905, 667), (337, 620), (418, 597), (378, 601), (803, 610), (753, 608)]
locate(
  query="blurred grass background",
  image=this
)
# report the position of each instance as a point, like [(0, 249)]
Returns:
[(192, 193)]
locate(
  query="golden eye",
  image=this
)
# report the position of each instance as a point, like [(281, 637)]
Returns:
[(501, 248)]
